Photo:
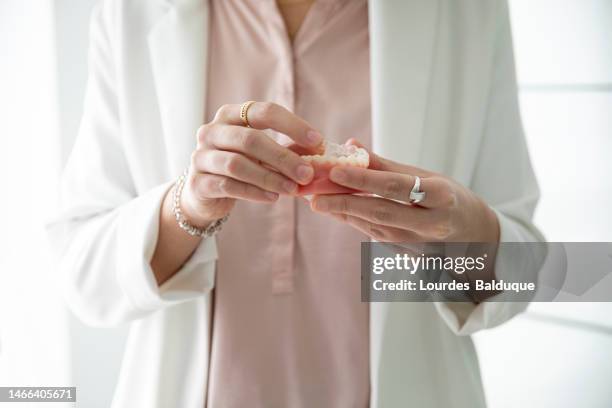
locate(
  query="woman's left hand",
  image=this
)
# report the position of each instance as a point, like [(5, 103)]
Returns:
[(449, 212)]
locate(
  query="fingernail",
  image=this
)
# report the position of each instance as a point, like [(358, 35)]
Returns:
[(338, 175), (271, 196), (313, 137), (304, 172), (289, 186)]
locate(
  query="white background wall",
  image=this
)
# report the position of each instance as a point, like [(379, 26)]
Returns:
[(34, 342), (560, 355), (554, 356)]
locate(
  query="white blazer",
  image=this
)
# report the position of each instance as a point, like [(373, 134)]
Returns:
[(444, 98)]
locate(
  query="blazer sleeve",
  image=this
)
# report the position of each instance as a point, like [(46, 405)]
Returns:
[(512, 193), (106, 232)]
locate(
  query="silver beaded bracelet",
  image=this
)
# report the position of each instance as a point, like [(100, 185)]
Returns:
[(182, 221)]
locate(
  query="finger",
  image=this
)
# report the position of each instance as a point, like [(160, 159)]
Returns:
[(257, 145), (301, 150), (214, 186), (268, 115), (378, 232), (376, 210), (243, 169), (395, 186), (380, 163)]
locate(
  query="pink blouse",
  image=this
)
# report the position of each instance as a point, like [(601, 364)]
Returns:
[(289, 329)]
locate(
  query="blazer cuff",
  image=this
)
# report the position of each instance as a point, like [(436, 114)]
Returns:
[(138, 227), (465, 318)]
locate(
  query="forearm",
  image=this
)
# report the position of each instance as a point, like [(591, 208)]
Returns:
[(174, 246)]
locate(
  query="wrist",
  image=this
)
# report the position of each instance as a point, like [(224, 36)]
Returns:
[(210, 228), (487, 226), (190, 214)]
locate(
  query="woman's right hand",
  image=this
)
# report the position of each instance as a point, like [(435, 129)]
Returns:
[(232, 161)]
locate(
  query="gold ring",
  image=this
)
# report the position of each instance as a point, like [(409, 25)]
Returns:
[(244, 111)]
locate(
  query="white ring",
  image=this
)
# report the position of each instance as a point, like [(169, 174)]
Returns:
[(416, 195)]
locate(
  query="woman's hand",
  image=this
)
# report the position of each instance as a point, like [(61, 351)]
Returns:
[(232, 161), (450, 212)]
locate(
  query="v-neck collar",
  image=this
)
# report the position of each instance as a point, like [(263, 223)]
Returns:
[(317, 17)]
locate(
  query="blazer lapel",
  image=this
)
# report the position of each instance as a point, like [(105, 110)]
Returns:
[(402, 47), (178, 48), (402, 43)]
